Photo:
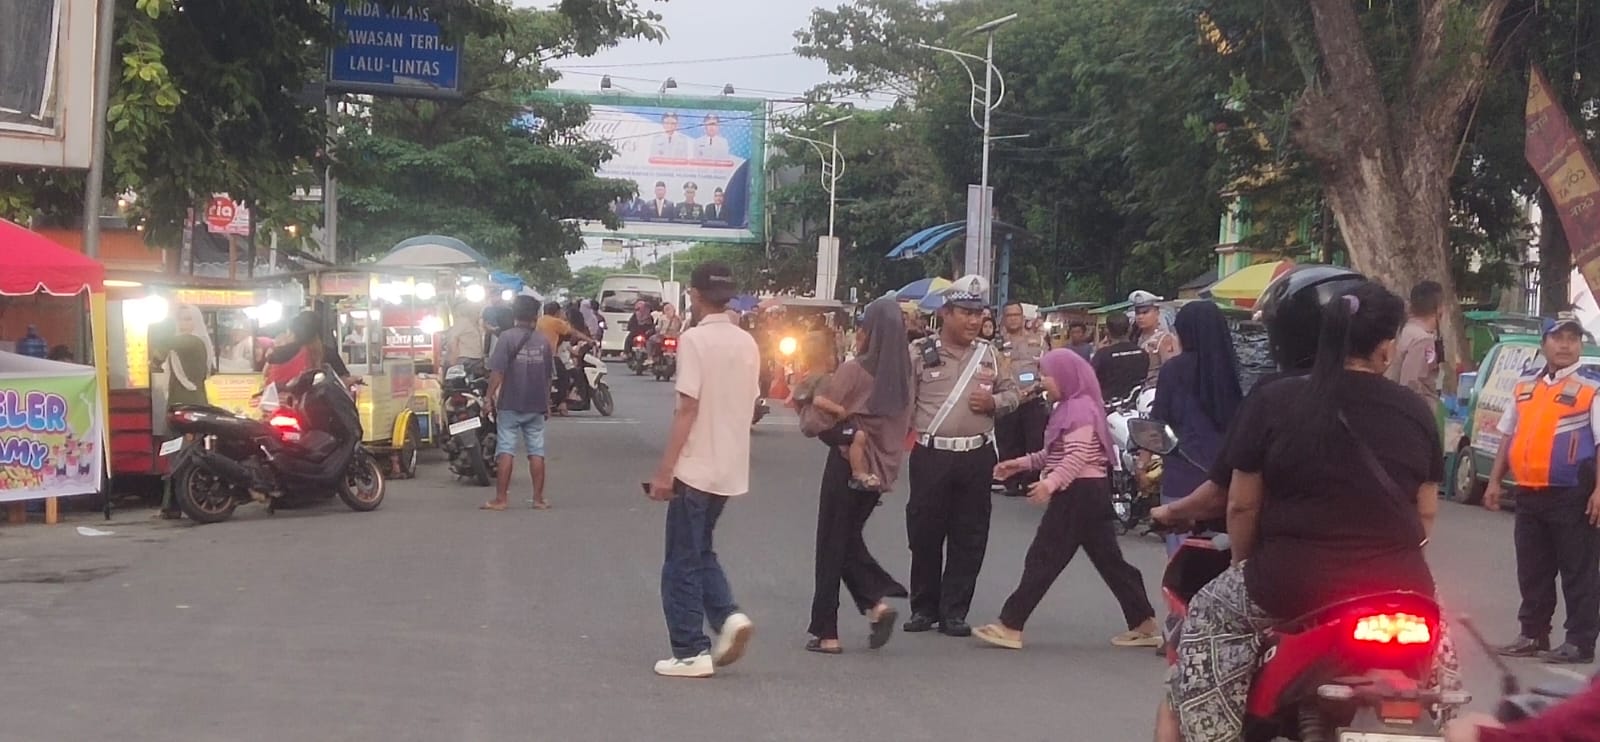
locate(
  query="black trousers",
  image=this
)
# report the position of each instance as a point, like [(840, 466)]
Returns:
[(1554, 538), (1079, 516), (842, 553), (1021, 433), (947, 525)]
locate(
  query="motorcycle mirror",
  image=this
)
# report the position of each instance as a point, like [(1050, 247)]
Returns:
[(1153, 436)]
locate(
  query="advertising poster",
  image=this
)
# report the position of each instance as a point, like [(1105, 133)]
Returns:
[(698, 164), (50, 431)]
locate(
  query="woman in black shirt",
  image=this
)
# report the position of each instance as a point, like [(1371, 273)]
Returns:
[(1312, 519)]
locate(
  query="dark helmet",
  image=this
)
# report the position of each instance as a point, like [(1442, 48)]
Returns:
[(1291, 309)]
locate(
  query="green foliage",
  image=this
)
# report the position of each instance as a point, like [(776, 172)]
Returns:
[(1107, 181), (461, 168)]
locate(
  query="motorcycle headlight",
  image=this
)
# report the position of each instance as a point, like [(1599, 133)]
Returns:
[(788, 346)]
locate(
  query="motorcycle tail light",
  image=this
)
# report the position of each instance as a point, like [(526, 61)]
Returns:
[(1399, 711), (669, 343), (284, 423), (183, 416), (1393, 628)]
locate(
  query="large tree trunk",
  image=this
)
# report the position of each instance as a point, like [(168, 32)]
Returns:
[(1386, 168), (1555, 259)]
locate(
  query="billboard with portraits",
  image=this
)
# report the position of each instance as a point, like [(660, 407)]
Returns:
[(698, 164)]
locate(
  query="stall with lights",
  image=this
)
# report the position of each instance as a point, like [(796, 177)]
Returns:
[(239, 321), (390, 323)]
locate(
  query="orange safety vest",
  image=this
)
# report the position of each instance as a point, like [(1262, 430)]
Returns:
[(1553, 438)]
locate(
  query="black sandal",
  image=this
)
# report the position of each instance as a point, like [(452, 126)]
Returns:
[(883, 628), (815, 645)]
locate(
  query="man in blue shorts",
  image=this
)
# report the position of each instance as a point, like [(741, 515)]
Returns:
[(520, 369)]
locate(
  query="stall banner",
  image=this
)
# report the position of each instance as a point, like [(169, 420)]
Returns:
[(1556, 150), (49, 436), (698, 165)]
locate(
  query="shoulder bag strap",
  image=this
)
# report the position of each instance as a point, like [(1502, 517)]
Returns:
[(961, 386)]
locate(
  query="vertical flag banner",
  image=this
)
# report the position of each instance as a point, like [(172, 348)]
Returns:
[(1567, 170)]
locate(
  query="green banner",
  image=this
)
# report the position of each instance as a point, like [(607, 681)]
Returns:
[(50, 436)]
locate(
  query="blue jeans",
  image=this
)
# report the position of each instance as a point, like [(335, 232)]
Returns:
[(512, 428), (694, 588)]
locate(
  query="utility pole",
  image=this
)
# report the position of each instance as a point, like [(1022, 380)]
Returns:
[(96, 183), (828, 247), (330, 193)]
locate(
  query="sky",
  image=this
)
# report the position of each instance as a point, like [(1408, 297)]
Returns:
[(758, 34)]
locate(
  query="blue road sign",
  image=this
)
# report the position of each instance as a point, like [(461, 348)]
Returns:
[(397, 52)]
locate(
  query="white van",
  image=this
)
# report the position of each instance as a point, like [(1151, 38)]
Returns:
[(618, 294)]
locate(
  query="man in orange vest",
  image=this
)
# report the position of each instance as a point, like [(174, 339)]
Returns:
[(1550, 433)]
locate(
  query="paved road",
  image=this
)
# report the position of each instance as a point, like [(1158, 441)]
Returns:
[(430, 620)]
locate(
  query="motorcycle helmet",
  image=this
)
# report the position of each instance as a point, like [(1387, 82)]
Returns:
[(1291, 309)]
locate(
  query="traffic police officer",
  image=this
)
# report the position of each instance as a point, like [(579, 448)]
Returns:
[(1021, 432), (1550, 433), (960, 387)]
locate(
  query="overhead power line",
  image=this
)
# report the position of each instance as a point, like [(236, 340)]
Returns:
[(710, 60)]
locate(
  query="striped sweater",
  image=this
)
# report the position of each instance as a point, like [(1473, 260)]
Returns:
[(1073, 455)]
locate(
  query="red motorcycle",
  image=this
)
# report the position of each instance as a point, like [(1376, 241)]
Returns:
[(1354, 671)]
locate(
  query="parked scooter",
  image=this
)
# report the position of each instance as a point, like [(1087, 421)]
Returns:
[(665, 363), (470, 440), (1135, 488), (309, 447), (1354, 670), (596, 393)]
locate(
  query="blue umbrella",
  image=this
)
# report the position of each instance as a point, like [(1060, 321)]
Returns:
[(931, 302), (744, 303), (920, 289)]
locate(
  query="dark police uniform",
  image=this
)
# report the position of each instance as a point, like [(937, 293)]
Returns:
[(1022, 432), (951, 468)]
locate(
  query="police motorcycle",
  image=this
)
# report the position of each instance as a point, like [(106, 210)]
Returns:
[(596, 394), (309, 447), (470, 440), (1135, 487)]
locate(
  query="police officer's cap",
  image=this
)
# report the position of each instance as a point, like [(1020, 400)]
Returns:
[(1562, 321), (967, 292)]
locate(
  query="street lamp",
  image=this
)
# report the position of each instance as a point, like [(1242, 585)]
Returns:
[(984, 260), (832, 165)]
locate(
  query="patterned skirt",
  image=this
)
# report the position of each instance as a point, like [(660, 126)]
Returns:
[(1219, 651)]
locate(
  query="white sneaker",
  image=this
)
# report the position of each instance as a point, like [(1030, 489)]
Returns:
[(732, 640), (698, 666)]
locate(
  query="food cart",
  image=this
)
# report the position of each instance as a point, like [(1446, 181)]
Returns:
[(240, 319), (389, 323), (59, 292)]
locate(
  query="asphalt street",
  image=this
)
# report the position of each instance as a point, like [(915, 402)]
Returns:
[(431, 620)]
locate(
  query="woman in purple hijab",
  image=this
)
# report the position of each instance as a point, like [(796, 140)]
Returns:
[(1077, 497)]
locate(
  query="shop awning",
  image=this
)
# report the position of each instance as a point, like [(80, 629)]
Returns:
[(1244, 286), (33, 263), (932, 238), (434, 251)]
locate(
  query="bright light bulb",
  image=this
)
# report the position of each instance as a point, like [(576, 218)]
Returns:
[(507, 295), (431, 325), (269, 312), (426, 291), (155, 308), (475, 293)]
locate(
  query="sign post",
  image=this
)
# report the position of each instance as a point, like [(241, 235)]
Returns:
[(399, 51)]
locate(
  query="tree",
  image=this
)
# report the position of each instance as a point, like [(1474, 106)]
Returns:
[(1380, 98), (462, 168), (207, 98), (1108, 183)]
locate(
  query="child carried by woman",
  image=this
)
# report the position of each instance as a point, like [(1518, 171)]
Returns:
[(819, 361)]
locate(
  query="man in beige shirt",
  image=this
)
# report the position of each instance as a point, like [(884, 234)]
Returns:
[(1416, 355), (706, 462), (961, 385)]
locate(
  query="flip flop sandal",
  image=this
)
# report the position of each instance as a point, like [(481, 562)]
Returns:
[(815, 645), (990, 634), (883, 628), (491, 506)]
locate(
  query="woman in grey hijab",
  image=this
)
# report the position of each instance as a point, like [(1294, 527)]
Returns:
[(875, 388)]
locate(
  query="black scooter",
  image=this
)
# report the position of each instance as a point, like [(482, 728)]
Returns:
[(308, 448), (470, 434)]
